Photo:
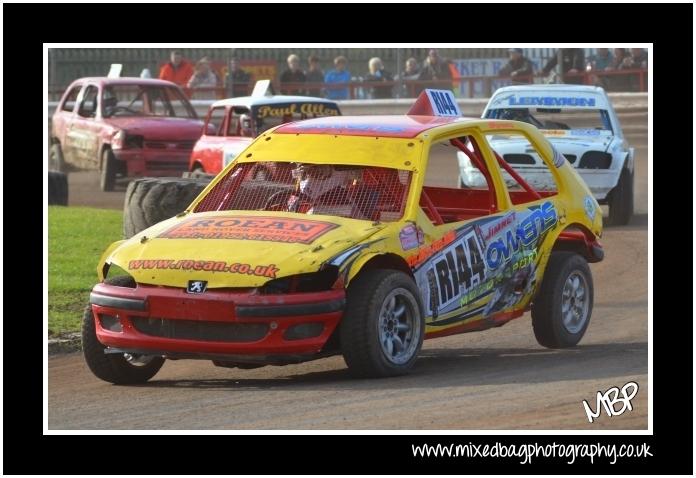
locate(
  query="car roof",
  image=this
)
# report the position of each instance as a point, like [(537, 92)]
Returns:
[(551, 87), (390, 126), (250, 101), (124, 81)]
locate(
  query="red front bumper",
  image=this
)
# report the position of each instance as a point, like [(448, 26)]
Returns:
[(154, 162), (230, 322)]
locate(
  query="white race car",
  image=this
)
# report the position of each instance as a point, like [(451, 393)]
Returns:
[(581, 124)]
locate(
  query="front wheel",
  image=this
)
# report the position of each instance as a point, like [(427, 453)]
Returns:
[(108, 171), (383, 326), (119, 369), (56, 161), (562, 309), (621, 200)]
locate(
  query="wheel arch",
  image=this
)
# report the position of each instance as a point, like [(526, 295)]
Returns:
[(378, 260), (579, 239)]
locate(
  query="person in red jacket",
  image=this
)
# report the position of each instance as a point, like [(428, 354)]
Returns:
[(178, 70)]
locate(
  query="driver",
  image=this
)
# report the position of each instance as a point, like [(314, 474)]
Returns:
[(322, 183), (520, 114), (319, 186), (109, 102), (328, 189)]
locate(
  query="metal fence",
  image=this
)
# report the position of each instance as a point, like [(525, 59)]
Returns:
[(68, 64)]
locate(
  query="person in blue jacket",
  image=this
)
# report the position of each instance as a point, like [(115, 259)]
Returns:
[(338, 75)]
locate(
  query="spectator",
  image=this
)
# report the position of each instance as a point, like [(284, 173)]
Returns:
[(314, 75), (236, 80), (638, 59), (437, 70), (177, 70), (617, 82), (572, 64), (378, 74), (619, 56), (518, 68), (338, 75), (292, 75), (204, 78), (411, 70), (411, 73), (602, 61)]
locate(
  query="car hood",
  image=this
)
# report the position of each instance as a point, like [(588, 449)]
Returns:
[(237, 248), (164, 128)]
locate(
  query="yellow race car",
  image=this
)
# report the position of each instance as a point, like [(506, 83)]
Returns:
[(362, 243)]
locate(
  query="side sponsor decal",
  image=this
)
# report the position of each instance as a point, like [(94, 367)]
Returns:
[(590, 208), (292, 109), (428, 250), (495, 257), (571, 132), (273, 229), (410, 237)]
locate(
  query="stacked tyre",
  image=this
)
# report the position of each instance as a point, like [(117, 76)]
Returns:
[(152, 200), (57, 188)]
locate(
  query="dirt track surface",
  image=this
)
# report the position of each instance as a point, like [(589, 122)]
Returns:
[(497, 379)]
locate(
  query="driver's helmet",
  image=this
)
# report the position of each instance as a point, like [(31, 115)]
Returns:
[(245, 125), (515, 114), (318, 179), (109, 100)]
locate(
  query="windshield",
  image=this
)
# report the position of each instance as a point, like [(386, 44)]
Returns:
[(356, 192), (556, 118), (268, 116), (145, 100)]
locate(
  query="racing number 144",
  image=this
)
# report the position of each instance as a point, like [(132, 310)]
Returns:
[(461, 266), (444, 102)]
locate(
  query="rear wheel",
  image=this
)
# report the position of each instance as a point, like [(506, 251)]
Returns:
[(621, 200), (562, 309), (108, 171), (383, 327), (120, 369)]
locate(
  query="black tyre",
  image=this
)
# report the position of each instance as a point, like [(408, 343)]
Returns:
[(56, 162), (621, 200), (107, 179), (57, 188), (152, 200), (383, 327), (563, 306), (120, 369)]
